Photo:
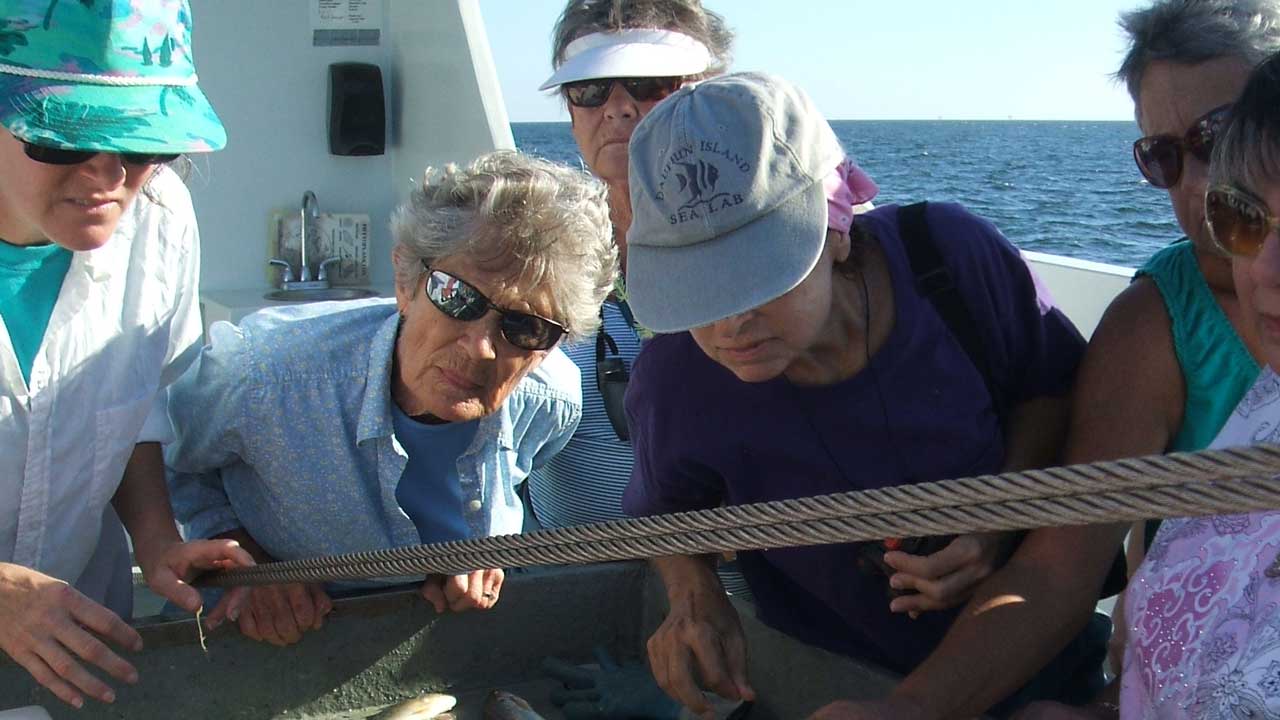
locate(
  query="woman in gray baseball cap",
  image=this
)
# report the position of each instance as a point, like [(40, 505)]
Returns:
[(808, 352)]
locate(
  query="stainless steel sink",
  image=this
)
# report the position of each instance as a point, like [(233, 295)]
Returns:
[(318, 294)]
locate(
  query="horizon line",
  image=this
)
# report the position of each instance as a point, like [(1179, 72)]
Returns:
[(916, 119)]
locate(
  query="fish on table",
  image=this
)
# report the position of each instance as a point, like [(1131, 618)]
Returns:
[(502, 705), (423, 707)]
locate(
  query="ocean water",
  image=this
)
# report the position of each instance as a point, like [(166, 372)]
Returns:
[(1068, 188)]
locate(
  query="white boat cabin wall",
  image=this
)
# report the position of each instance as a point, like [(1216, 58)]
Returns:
[(269, 83)]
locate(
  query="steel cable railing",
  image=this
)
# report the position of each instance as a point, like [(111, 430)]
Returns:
[(1209, 482)]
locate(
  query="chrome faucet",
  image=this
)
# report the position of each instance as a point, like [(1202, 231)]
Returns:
[(309, 213)]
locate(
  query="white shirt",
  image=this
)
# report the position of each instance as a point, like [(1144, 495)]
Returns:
[(126, 323)]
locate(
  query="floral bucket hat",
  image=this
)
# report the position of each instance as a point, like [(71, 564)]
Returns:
[(108, 75)]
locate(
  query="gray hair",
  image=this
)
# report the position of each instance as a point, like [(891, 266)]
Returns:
[(541, 223), (583, 17), (1247, 153), (1196, 31)]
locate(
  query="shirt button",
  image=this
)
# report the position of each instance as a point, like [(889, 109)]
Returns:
[(474, 506)]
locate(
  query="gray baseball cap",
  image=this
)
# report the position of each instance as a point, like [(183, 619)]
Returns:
[(728, 208)]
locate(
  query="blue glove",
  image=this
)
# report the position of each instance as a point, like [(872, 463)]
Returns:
[(612, 692)]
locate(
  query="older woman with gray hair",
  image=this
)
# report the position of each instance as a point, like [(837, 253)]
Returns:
[(1171, 356), (614, 60), (341, 427), (1170, 359), (1201, 608)]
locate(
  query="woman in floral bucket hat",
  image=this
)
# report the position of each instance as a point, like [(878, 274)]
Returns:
[(98, 314)]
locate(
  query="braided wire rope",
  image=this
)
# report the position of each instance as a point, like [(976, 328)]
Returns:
[(1208, 482)]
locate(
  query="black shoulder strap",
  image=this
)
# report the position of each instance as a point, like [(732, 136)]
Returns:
[(934, 282)]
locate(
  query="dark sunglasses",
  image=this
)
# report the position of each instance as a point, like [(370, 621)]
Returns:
[(594, 92), (460, 300), (62, 156), (1159, 157), (1238, 222)]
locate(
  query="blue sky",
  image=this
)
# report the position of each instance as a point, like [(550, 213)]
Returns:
[(887, 59)]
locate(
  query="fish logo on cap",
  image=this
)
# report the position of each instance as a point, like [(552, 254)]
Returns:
[(698, 177)]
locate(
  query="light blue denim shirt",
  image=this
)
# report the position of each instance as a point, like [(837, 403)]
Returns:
[(284, 428)]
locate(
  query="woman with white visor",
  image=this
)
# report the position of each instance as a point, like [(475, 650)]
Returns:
[(615, 60)]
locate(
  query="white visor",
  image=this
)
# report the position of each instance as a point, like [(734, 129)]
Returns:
[(631, 53)]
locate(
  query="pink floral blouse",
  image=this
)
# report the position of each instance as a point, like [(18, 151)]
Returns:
[(1204, 635)]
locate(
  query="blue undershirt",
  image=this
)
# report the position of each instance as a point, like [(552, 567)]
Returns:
[(429, 489), (30, 280)]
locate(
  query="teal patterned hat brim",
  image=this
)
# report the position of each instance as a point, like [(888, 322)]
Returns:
[(110, 75), (146, 119)]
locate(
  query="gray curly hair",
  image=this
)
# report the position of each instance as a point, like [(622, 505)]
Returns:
[(583, 17), (545, 223), (1196, 31)]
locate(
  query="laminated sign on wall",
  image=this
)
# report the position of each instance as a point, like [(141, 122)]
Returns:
[(341, 235), (346, 22)]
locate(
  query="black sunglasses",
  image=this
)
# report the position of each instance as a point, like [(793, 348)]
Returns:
[(62, 156), (460, 300), (594, 92), (1159, 157)]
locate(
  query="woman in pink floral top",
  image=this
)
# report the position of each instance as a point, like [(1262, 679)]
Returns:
[(1204, 635), (1204, 608)]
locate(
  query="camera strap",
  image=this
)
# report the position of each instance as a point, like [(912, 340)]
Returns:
[(612, 376)]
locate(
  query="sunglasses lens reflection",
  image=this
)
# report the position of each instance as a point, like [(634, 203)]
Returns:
[(1238, 225), (462, 301), (588, 93), (1160, 160), (455, 298), (1202, 136), (1160, 156), (1201, 145), (529, 332), (651, 89), (595, 92)]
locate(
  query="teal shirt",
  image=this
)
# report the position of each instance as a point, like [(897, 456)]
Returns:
[(30, 280), (1216, 366)]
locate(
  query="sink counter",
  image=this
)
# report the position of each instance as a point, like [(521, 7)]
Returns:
[(232, 305)]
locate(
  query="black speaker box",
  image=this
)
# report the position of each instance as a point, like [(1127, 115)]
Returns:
[(357, 110)]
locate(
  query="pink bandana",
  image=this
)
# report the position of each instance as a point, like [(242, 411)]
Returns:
[(846, 186)]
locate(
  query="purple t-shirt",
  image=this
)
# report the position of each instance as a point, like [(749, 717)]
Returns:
[(919, 412)]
